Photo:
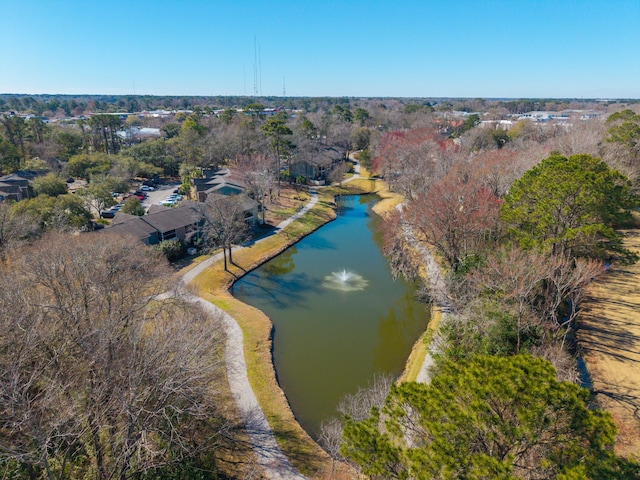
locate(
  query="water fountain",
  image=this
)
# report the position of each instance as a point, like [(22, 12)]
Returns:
[(333, 329), (345, 281)]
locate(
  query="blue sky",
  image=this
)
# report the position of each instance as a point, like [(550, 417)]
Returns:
[(420, 48)]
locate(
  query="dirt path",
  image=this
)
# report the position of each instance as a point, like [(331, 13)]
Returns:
[(437, 287), (269, 455), (609, 340), (356, 168)]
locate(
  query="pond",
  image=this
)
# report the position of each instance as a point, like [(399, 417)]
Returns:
[(339, 317)]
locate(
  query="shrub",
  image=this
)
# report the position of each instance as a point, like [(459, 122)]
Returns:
[(173, 249)]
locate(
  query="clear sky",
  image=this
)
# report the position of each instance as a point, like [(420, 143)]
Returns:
[(394, 48)]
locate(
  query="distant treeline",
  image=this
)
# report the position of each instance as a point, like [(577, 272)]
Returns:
[(75, 105)]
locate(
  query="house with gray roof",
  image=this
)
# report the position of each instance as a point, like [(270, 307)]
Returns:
[(221, 181), (182, 222), (317, 166), (15, 187), (162, 223)]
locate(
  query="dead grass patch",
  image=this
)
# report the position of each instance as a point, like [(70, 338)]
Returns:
[(388, 200), (420, 348), (282, 206), (609, 340)]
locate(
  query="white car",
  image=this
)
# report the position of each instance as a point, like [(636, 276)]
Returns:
[(147, 188)]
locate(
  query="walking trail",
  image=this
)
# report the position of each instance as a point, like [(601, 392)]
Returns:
[(275, 464), (437, 287)]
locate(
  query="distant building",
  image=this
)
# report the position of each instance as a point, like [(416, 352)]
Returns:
[(16, 186), (137, 134)]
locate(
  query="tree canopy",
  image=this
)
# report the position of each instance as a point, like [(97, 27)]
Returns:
[(99, 378), (570, 206), (50, 184), (488, 417)]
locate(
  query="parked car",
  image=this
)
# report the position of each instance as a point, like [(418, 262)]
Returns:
[(146, 188), (108, 214)]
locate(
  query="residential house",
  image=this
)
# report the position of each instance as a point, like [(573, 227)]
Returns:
[(163, 223), (316, 167), (248, 205), (182, 222), (15, 186)]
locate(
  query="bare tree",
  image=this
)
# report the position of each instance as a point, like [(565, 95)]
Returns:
[(565, 287), (357, 407), (495, 170), (457, 217), (396, 247), (336, 175), (98, 372), (224, 223), (260, 176), (583, 137), (514, 276), (14, 228), (410, 161)]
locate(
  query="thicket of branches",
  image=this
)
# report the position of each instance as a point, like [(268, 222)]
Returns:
[(100, 377), (520, 228)]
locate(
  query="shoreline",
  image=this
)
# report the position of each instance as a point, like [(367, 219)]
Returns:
[(296, 444)]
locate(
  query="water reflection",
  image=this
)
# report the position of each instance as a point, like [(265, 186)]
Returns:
[(328, 342), (283, 263)]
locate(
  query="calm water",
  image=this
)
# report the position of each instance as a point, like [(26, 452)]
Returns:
[(333, 337)]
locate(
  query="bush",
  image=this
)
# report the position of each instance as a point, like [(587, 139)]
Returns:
[(172, 249), (132, 206)]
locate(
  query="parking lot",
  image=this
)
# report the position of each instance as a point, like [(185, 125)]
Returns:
[(159, 194)]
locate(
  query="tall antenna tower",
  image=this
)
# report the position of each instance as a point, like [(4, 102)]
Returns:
[(284, 88), (255, 66), (260, 67)]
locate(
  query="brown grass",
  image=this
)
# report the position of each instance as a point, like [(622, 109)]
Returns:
[(280, 207), (609, 339), (419, 350)]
